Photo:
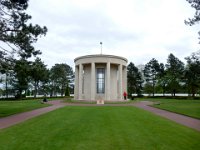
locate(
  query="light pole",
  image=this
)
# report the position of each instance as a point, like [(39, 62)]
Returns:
[(101, 47)]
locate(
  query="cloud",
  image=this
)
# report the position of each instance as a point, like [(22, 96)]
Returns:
[(135, 29)]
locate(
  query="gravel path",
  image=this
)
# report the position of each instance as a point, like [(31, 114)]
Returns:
[(181, 119)]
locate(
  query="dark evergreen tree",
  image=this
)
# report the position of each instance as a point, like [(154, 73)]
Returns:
[(192, 73), (15, 29), (148, 88), (163, 79), (174, 71), (17, 33), (21, 76), (61, 75), (39, 73), (196, 19), (134, 80), (151, 72), (67, 92), (18, 36)]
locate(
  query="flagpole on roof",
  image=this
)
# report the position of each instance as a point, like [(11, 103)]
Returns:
[(101, 47)]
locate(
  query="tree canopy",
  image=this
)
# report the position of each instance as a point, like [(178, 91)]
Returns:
[(16, 33), (38, 73), (175, 70), (151, 72), (134, 80), (61, 75), (17, 38), (192, 73), (196, 18)]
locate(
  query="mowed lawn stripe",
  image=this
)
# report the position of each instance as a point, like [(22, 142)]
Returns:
[(186, 107), (8, 108), (102, 128)]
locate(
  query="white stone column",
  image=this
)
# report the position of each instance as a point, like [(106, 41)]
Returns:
[(76, 83), (93, 81), (120, 81), (80, 81), (108, 81), (125, 79)]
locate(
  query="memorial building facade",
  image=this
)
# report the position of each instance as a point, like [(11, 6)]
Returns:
[(100, 77)]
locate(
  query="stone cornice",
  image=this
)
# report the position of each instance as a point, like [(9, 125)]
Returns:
[(99, 56)]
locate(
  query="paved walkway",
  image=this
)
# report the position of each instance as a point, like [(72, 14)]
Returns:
[(17, 118), (181, 119)]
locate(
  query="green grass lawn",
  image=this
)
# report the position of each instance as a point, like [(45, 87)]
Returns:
[(99, 128), (12, 107), (186, 107)]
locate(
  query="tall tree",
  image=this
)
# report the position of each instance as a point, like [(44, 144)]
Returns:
[(192, 73), (17, 37), (134, 79), (16, 32), (196, 19), (148, 88), (61, 75), (6, 69), (163, 79), (38, 73), (21, 76), (174, 70), (151, 72)]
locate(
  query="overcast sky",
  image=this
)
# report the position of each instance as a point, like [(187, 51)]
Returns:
[(138, 30)]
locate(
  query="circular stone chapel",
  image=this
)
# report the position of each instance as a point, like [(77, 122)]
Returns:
[(100, 77)]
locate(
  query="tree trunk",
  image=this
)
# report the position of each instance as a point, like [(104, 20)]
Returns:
[(6, 86), (174, 92), (153, 88), (54, 89), (20, 94), (193, 92), (35, 87), (163, 91), (61, 91)]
